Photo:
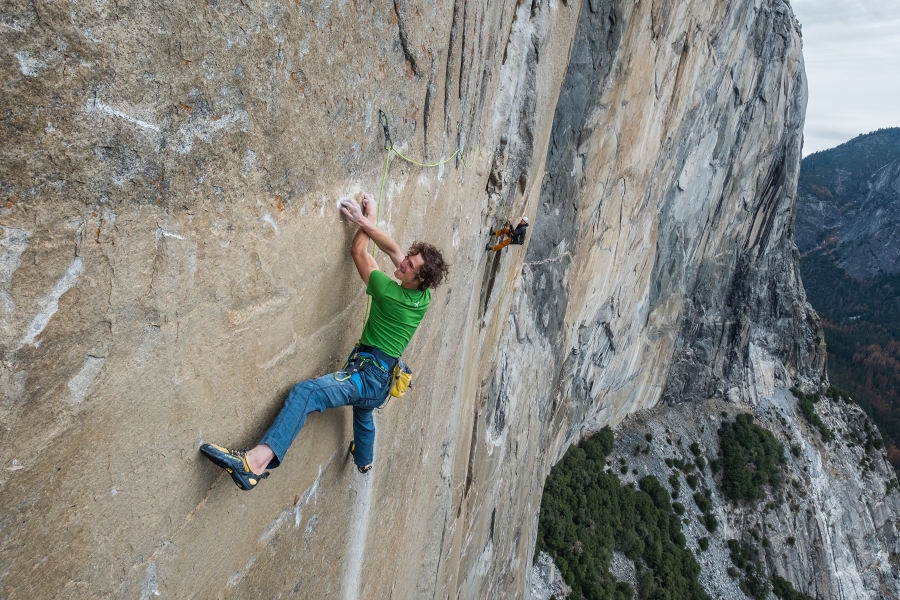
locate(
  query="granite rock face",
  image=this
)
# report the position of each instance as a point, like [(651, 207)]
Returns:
[(173, 261), (830, 527)]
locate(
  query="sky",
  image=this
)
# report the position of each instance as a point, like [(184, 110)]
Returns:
[(852, 53)]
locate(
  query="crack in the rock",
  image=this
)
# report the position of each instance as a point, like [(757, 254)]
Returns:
[(404, 41)]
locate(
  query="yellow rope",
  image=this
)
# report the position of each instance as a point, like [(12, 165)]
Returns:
[(389, 148), (437, 164)]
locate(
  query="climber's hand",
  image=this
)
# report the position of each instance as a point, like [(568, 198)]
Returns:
[(369, 207), (352, 210)]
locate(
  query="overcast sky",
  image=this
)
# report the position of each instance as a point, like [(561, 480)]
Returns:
[(852, 54)]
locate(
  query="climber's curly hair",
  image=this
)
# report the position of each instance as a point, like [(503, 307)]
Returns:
[(433, 271)]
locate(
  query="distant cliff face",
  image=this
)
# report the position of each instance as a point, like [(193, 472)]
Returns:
[(830, 526), (849, 203), (173, 261)]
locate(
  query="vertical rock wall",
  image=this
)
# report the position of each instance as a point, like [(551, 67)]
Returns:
[(661, 265), (173, 261)]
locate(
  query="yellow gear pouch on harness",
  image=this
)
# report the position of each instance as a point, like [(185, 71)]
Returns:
[(401, 380)]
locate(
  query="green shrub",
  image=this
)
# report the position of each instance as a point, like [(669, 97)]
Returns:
[(675, 482), (710, 522), (809, 413), (703, 543), (739, 553), (756, 583), (783, 589), (692, 481), (750, 458), (586, 506), (703, 503)]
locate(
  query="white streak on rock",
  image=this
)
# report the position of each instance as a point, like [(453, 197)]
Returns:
[(236, 577), (286, 352), (50, 304), (204, 128), (79, 384), (161, 233), (95, 106), (150, 585), (268, 220), (11, 248), (295, 511), (29, 64), (356, 547)]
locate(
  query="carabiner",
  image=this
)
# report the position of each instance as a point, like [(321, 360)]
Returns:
[(382, 120)]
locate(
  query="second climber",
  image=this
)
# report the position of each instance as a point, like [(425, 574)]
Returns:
[(509, 235)]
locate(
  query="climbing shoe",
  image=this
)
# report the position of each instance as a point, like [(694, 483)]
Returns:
[(235, 462), (364, 469), (488, 247)]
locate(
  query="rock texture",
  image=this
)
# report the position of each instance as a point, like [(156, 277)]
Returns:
[(849, 202), (173, 261), (831, 527)]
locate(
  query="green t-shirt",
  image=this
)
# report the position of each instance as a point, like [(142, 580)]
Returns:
[(394, 315)]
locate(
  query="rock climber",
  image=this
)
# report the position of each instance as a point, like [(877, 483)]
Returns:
[(510, 236), (364, 382)]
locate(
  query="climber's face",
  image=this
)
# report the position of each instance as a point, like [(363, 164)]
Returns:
[(408, 271)]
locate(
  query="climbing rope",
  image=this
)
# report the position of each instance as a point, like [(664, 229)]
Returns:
[(390, 149)]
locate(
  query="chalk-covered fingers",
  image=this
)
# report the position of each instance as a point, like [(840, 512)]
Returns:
[(369, 207), (352, 210)]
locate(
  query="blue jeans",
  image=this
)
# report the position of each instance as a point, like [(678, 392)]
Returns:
[(364, 385)]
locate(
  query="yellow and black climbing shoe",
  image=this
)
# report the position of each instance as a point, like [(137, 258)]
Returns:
[(364, 469), (235, 462)]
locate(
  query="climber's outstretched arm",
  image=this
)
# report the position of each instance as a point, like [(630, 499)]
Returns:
[(359, 249)]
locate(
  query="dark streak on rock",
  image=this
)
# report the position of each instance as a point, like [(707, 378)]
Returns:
[(430, 92), (448, 78), (462, 51), (404, 40)]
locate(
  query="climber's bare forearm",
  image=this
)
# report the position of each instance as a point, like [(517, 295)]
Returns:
[(364, 217)]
